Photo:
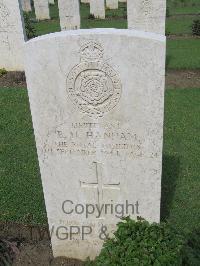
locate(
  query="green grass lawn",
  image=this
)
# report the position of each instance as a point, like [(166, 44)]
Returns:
[(47, 26), (180, 25), (183, 6), (21, 194), (20, 186), (181, 161), (185, 10), (183, 54), (183, 3)]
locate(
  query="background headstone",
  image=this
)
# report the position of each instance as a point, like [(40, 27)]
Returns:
[(26, 5), (52, 2), (97, 108), (69, 13), (97, 8), (112, 4), (147, 15), (41, 9), (11, 35)]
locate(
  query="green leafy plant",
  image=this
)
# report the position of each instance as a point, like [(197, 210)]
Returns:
[(30, 30), (8, 251), (91, 16), (3, 71), (191, 252), (196, 27), (140, 243)]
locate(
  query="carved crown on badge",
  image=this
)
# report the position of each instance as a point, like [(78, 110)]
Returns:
[(91, 52), (4, 13), (93, 86)]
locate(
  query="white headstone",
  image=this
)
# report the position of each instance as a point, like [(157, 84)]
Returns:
[(11, 35), (26, 5), (85, 1), (69, 13), (147, 15), (97, 8), (52, 2), (112, 4), (41, 9), (97, 112)]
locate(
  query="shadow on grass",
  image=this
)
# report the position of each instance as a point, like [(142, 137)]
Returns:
[(191, 251), (170, 172), (168, 59)]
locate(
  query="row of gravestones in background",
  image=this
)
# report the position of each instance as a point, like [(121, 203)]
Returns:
[(42, 7), (139, 13), (97, 112), (148, 17)]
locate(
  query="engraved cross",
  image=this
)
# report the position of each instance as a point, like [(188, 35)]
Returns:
[(99, 184)]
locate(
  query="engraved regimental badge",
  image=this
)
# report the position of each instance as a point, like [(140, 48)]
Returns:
[(4, 13), (93, 86)]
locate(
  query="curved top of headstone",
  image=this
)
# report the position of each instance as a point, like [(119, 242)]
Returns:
[(112, 31)]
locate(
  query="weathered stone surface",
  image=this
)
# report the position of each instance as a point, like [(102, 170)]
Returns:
[(41, 9), (26, 5), (97, 112), (11, 35), (147, 15), (69, 13), (112, 4), (97, 8)]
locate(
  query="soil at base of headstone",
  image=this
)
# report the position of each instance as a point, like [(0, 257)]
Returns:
[(182, 37), (33, 244), (180, 79), (177, 79), (13, 79)]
